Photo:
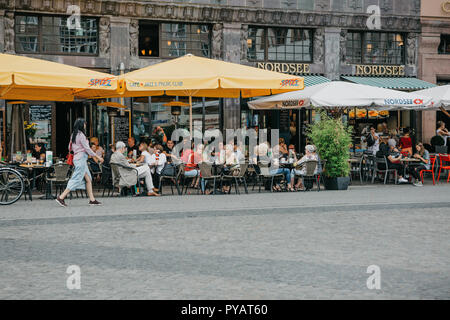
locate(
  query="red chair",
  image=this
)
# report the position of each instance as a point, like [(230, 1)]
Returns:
[(444, 158), (433, 161)]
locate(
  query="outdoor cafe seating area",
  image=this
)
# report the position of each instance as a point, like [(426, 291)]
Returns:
[(34, 79)]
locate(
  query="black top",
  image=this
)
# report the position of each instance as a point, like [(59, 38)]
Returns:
[(36, 154), (135, 147)]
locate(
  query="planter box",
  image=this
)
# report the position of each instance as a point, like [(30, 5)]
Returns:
[(340, 183)]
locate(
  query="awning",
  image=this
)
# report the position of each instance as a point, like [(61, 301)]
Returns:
[(313, 80), (396, 83)]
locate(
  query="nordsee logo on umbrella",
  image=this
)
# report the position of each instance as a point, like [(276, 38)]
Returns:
[(293, 103), (104, 82), (402, 101)]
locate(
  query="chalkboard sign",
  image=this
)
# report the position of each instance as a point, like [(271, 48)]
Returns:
[(121, 128), (284, 120), (40, 112)]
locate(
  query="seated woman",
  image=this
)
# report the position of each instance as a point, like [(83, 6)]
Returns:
[(275, 169), (442, 131), (406, 142), (425, 164), (39, 151), (157, 162), (283, 148), (191, 160), (310, 155), (393, 159), (98, 150), (231, 163)]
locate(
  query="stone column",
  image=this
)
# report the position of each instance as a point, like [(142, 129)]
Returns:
[(231, 53), (332, 53), (2, 31), (120, 42)]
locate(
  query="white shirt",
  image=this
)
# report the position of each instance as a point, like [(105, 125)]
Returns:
[(159, 163), (147, 156)]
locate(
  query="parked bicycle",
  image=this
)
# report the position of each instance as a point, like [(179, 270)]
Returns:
[(12, 185)]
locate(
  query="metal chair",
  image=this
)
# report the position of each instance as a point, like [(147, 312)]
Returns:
[(172, 178), (106, 180), (377, 169), (240, 177), (116, 177), (357, 169), (311, 173), (59, 178), (265, 176), (206, 174)]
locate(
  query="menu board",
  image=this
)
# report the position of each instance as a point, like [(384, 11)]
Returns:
[(284, 120), (40, 112), (121, 128)]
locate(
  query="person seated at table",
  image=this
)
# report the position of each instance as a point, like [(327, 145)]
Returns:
[(425, 164), (240, 156), (393, 159), (292, 157), (406, 142), (383, 149), (99, 150), (275, 169), (442, 131), (191, 160), (168, 148), (39, 151), (219, 154), (157, 162), (108, 154), (132, 147), (310, 155), (282, 148), (231, 163), (143, 171)]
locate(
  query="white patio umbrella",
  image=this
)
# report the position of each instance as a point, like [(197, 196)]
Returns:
[(340, 94), (439, 94)]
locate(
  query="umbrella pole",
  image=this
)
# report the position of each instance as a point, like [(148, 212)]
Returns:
[(190, 116)]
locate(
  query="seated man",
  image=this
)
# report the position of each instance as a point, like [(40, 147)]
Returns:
[(157, 162), (393, 159), (143, 171), (310, 155)]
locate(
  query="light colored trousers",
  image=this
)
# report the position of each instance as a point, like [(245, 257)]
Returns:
[(144, 172)]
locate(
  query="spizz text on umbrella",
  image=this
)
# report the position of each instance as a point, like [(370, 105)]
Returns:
[(105, 82), (290, 83)]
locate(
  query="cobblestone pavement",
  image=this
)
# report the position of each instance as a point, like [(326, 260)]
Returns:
[(314, 245)]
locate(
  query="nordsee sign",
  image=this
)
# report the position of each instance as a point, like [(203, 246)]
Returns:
[(379, 70), (291, 68)]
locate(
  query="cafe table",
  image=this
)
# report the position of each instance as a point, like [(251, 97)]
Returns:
[(409, 162), (35, 169)]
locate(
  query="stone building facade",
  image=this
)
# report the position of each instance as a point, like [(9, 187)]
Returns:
[(232, 24), (434, 56)]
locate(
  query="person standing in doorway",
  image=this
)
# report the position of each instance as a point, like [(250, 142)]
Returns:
[(81, 177)]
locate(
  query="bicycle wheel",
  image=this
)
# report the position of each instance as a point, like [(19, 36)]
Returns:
[(11, 186)]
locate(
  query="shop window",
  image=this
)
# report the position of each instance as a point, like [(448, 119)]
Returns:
[(375, 48), (444, 46), (279, 44), (50, 34), (179, 39), (148, 40)]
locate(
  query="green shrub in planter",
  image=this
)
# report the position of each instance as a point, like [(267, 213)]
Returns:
[(332, 139)]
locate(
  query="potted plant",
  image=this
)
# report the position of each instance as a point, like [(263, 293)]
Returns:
[(332, 139)]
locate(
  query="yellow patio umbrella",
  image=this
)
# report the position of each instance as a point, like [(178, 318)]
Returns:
[(35, 79), (202, 77)]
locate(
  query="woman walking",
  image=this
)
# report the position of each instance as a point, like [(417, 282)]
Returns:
[(81, 177)]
